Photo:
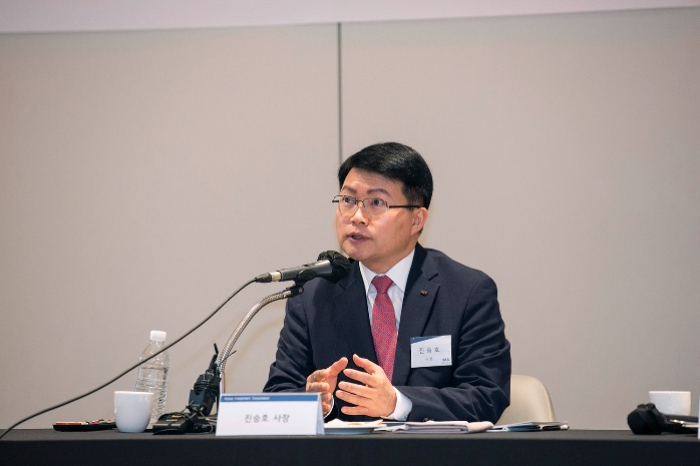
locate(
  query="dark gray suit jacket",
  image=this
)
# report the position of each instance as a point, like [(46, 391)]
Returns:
[(442, 297)]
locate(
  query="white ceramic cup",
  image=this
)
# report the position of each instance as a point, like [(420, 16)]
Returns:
[(132, 410), (671, 402)]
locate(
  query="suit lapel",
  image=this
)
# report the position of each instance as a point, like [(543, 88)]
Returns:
[(352, 316), (417, 305)]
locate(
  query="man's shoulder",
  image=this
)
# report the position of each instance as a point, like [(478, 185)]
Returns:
[(443, 265)]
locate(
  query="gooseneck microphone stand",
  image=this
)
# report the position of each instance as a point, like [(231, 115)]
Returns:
[(207, 388), (290, 292), (205, 394)]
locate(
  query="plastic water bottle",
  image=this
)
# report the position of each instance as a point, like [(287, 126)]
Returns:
[(152, 375)]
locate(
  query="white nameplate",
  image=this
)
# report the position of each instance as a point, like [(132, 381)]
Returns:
[(270, 414), (431, 351)]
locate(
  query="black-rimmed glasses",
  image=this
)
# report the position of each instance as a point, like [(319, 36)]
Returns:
[(372, 206)]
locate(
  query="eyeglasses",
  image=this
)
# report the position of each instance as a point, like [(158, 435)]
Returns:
[(372, 206)]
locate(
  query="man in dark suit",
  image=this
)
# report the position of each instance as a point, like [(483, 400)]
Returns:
[(409, 334)]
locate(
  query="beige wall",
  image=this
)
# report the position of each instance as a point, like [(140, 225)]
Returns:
[(566, 152), (145, 176)]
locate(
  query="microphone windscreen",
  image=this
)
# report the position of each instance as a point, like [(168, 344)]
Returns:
[(340, 263)]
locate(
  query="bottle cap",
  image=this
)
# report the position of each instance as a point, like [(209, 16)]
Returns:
[(158, 335)]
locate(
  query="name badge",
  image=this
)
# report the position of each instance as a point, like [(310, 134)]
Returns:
[(270, 414), (431, 351)]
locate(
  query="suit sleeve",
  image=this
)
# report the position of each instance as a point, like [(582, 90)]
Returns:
[(480, 385)]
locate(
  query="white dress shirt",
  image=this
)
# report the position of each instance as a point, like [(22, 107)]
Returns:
[(399, 277)]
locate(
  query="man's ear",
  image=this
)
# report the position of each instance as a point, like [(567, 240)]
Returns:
[(420, 216)]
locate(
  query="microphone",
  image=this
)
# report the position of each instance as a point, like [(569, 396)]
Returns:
[(330, 265)]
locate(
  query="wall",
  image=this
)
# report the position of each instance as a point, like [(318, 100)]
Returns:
[(144, 176), (127, 15), (566, 154)]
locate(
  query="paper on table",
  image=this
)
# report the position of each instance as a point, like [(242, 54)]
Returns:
[(437, 427), (344, 424), (530, 426), (336, 426)]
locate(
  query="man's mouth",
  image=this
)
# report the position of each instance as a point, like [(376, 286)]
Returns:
[(356, 236)]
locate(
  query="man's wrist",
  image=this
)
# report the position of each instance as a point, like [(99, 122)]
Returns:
[(402, 409)]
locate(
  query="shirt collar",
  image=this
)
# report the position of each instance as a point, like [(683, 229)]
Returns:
[(398, 273)]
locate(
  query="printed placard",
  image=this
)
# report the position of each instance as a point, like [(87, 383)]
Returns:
[(431, 351), (270, 414)]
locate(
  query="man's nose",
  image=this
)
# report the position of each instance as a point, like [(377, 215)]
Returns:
[(359, 215)]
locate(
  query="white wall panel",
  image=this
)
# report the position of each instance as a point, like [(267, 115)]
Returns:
[(566, 156), (143, 178)]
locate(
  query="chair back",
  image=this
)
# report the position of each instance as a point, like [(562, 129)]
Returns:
[(529, 401)]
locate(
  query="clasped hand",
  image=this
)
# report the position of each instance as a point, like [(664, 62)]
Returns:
[(372, 396)]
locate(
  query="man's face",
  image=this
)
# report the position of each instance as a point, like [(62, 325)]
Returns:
[(382, 241)]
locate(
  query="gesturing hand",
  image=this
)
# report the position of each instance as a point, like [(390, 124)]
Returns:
[(373, 396), (323, 381)]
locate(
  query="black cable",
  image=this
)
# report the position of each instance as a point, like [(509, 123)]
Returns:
[(129, 369)]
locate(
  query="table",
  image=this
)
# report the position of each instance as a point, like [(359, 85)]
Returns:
[(560, 448)]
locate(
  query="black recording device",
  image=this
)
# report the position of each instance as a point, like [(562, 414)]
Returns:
[(648, 420), (205, 393), (172, 423)]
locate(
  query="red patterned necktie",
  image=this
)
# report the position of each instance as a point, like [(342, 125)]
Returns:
[(384, 325)]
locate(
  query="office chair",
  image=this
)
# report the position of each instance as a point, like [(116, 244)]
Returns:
[(529, 401)]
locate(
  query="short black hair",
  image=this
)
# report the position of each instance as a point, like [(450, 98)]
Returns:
[(396, 162)]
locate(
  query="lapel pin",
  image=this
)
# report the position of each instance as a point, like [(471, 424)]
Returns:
[(423, 293)]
